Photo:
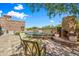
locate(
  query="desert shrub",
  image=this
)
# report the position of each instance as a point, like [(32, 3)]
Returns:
[(1, 32), (17, 33)]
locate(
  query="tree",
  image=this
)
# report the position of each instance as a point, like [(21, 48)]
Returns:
[(56, 8), (46, 27), (59, 25), (31, 28)]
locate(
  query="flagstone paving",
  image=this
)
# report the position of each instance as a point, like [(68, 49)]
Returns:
[(8, 44)]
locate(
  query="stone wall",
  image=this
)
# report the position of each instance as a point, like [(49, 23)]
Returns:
[(69, 23), (10, 25)]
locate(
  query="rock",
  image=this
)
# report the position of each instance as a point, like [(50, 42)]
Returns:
[(75, 52), (73, 38), (57, 35), (57, 49)]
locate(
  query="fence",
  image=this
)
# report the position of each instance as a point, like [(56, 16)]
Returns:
[(32, 48)]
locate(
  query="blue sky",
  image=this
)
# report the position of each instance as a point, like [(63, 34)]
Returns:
[(22, 12)]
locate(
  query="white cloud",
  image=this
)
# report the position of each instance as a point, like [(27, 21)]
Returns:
[(17, 14), (0, 12), (51, 21), (19, 7)]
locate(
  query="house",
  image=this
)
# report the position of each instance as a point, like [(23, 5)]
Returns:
[(10, 26)]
